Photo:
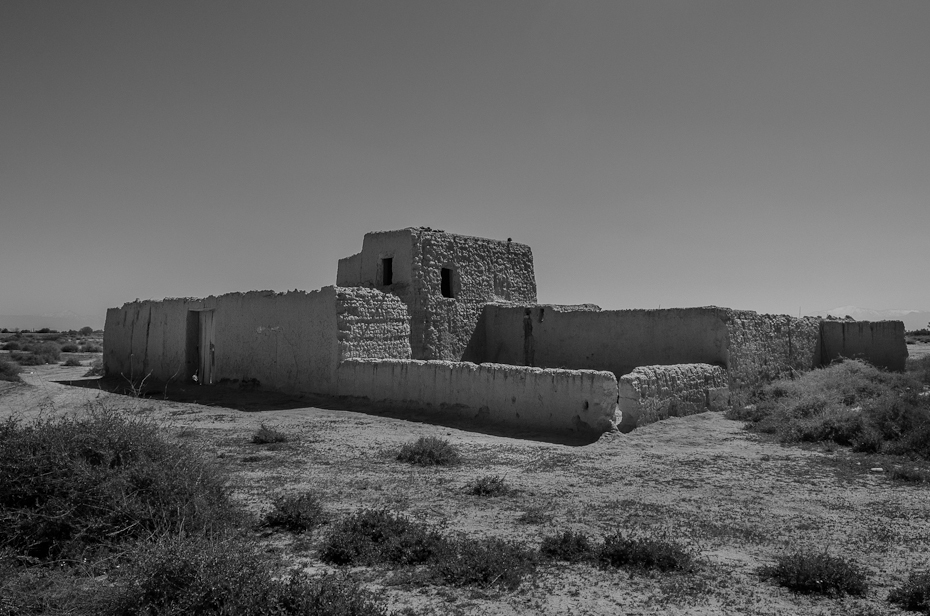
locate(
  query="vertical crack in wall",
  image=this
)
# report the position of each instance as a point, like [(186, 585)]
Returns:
[(529, 346)]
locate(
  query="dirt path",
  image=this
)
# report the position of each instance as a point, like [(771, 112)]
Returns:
[(737, 499)]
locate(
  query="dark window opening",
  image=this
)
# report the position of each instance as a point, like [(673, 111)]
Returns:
[(387, 271), (446, 282)]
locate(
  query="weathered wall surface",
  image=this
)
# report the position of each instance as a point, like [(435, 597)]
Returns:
[(371, 324), (144, 337), (651, 393), (613, 340), (286, 341), (881, 343), (768, 346), (483, 270), (349, 271), (532, 398)]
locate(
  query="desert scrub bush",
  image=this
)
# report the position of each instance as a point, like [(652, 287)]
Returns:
[(71, 362), (72, 487), (91, 348), (69, 348), (462, 561), (228, 576), (429, 451), (9, 371), (377, 536), (535, 515), (488, 485), (644, 552), (265, 436), (96, 368), (297, 514), (820, 573), (11, 346), (568, 546), (851, 404), (914, 594), (909, 475)]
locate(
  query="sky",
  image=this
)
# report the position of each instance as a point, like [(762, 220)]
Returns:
[(770, 156)]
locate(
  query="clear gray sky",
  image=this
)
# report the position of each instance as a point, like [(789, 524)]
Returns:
[(767, 155)]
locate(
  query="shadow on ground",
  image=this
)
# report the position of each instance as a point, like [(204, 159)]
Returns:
[(252, 399)]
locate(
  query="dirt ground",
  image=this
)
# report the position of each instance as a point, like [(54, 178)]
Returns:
[(737, 499)]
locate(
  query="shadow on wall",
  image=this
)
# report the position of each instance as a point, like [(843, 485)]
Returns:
[(249, 398)]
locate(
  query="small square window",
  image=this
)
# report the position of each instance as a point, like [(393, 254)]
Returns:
[(387, 271), (445, 286)]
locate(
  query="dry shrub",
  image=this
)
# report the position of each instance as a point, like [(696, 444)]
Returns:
[(73, 487), (429, 451), (819, 573)]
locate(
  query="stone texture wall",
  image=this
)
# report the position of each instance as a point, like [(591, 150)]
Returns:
[(371, 324), (582, 401), (651, 393), (766, 346), (589, 338), (483, 271), (881, 343)]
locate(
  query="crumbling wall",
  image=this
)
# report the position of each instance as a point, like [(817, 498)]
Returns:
[(371, 324), (483, 271), (651, 393), (763, 347), (531, 398), (615, 340), (881, 343)]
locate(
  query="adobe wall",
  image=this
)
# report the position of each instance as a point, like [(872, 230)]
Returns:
[(613, 340), (287, 341), (532, 398), (881, 343), (349, 271), (371, 324), (651, 393), (767, 346), (484, 270)]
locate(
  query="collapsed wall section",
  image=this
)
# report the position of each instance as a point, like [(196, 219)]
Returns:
[(763, 347), (881, 343), (584, 337), (652, 393), (532, 398)]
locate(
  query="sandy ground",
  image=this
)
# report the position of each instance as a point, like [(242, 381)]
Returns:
[(737, 499)]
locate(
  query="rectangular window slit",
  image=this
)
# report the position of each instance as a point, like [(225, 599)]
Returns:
[(387, 271), (446, 282)]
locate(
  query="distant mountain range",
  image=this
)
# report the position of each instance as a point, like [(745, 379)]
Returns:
[(62, 321), (913, 319)]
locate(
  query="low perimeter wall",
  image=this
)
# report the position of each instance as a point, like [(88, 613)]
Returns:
[(651, 393), (550, 400)]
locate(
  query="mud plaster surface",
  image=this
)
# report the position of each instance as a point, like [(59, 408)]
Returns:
[(738, 500)]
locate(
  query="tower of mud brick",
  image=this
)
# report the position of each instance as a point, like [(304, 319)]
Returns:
[(445, 280)]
